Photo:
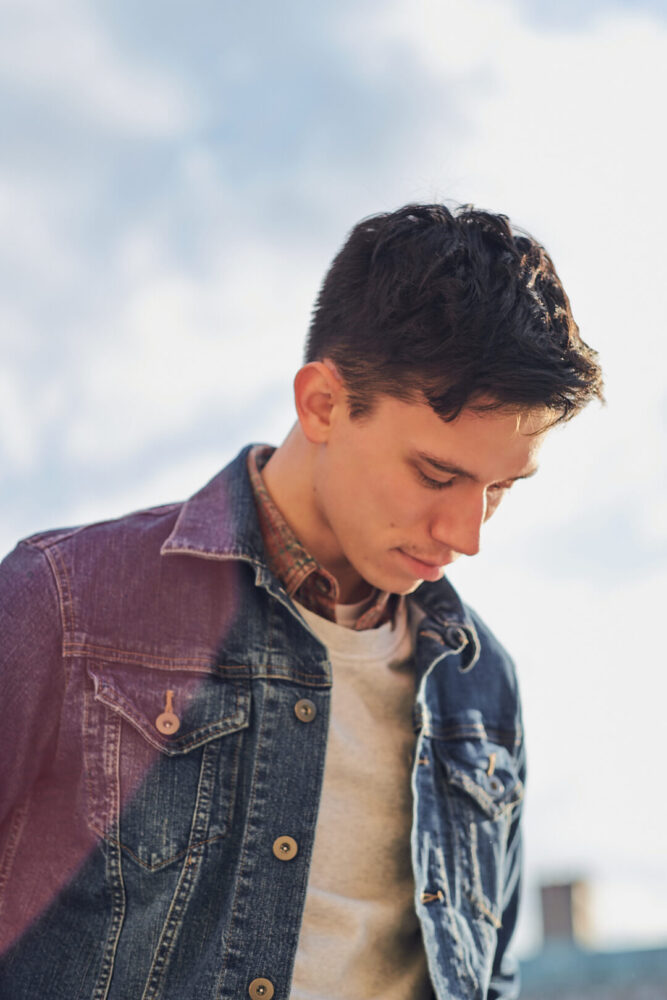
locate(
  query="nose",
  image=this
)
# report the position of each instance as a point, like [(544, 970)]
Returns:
[(458, 522)]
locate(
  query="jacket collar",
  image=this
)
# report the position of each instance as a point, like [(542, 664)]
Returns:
[(220, 522)]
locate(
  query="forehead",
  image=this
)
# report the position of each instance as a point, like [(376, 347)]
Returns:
[(490, 444)]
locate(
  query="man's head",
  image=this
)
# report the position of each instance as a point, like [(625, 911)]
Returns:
[(442, 349), (453, 308)]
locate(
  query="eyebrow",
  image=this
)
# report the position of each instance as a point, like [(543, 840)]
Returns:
[(458, 470)]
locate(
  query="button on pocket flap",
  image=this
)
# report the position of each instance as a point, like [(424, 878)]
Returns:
[(174, 710), (485, 771)]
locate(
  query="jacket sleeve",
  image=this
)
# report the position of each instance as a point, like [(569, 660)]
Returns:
[(504, 984), (32, 681)]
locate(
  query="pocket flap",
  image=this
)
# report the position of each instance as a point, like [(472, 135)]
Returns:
[(485, 771), (205, 706)]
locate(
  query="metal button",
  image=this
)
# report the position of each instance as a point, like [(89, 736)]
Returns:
[(496, 786), (455, 637), (168, 722), (261, 989), (305, 710), (285, 848)]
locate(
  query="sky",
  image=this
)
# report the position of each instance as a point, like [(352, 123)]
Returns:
[(174, 181)]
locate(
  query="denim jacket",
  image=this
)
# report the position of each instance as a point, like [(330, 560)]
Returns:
[(164, 724)]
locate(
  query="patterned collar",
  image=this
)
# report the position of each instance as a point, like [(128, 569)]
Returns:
[(302, 577)]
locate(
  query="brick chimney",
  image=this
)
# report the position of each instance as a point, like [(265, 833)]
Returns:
[(566, 913)]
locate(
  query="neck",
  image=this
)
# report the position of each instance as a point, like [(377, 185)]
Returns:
[(289, 476)]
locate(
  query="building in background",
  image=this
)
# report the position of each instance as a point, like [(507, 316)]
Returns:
[(569, 968)]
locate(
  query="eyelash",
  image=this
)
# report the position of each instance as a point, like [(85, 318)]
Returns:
[(436, 484)]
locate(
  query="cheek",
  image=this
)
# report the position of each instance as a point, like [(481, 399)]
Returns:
[(398, 504), (374, 495)]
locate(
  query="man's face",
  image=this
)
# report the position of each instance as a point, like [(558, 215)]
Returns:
[(401, 493)]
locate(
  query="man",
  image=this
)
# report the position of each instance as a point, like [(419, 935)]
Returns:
[(171, 824)]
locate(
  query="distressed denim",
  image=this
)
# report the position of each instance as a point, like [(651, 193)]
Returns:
[(136, 857)]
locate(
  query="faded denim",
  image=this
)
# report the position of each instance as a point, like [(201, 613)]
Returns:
[(135, 864)]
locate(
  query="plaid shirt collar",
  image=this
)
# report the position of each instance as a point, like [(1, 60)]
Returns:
[(303, 578)]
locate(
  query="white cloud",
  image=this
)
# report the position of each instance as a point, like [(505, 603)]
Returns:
[(457, 37), (26, 410), (172, 483), (18, 440), (646, 901), (176, 348), (63, 55), (33, 240)]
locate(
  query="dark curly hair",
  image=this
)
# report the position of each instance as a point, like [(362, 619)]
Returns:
[(457, 308)]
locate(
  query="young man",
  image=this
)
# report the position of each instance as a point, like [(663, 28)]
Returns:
[(255, 744)]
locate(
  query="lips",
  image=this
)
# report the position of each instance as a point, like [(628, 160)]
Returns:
[(425, 569)]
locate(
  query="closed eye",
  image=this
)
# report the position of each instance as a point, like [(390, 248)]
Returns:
[(434, 484)]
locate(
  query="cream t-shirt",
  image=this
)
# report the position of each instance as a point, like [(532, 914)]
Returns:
[(360, 937)]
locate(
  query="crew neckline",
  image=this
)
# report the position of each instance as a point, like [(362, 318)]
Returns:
[(380, 642)]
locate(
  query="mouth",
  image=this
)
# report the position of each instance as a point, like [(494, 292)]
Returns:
[(424, 569)]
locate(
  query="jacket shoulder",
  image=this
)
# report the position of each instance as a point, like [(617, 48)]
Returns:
[(120, 597), (487, 690), (492, 649), (128, 526)]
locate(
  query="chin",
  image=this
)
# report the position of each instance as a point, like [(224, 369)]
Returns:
[(393, 585), (385, 577)]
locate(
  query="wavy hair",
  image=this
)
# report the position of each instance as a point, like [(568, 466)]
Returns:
[(454, 307)]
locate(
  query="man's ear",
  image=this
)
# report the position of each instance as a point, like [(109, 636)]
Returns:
[(318, 395)]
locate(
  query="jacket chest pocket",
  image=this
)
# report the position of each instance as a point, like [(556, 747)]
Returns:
[(162, 751), (481, 788)]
